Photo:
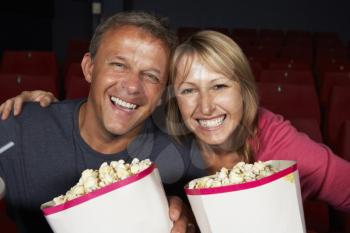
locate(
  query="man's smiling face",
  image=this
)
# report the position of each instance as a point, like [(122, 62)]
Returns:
[(128, 76)]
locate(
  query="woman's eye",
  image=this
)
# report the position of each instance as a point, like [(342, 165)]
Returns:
[(219, 86), (186, 91)]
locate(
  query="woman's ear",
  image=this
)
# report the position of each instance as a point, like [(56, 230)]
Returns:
[(87, 66)]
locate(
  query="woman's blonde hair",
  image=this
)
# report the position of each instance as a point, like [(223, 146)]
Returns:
[(224, 56)]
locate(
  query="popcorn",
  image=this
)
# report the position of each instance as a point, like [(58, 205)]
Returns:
[(242, 172), (263, 200), (91, 180)]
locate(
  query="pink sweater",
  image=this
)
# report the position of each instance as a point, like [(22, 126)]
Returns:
[(323, 175)]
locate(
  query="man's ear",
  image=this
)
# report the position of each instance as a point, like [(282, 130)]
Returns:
[(87, 66)]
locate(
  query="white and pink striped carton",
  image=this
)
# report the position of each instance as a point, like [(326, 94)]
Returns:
[(133, 205), (272, 204)]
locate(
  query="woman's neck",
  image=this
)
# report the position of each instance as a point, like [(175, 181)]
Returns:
[(216, 157)]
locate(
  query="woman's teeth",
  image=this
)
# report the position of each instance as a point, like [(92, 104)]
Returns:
[(123, 104), (212, 123)]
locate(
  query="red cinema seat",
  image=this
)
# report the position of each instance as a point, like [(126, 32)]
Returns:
[(331, 79), (271, 41), (245, 36), (12, 85), (337, 52), (316, 216), (297, 52), (338, 111), (331, 65), (245, 32), (300, 77), (290, 64), (77, 47), (75, 51), (77, 87), (256, 68), (263, 55), (74, 71), (298, 38), (309, 126), (343, 146), (6, 224), (327, 39), (30, 63), (290, 100), (271, 33)]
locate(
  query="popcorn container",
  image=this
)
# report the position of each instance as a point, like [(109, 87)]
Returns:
[(133, 205), (272, 204)]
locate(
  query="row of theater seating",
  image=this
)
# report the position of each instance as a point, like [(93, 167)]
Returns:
[(312, 93), (266, 37)]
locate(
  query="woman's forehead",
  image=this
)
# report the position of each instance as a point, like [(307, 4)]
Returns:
[(192, 64)]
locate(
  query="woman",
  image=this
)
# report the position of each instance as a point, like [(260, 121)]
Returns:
[(216, 100), (216, 110)]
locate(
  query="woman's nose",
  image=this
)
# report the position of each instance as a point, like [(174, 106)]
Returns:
[(206, 104)]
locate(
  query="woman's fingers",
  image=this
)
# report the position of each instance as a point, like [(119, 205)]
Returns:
[(6, 109)]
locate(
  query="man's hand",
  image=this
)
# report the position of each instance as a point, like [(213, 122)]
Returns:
[(181, 216), (43, 97)]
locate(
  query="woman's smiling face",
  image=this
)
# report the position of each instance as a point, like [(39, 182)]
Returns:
[(210, 103)]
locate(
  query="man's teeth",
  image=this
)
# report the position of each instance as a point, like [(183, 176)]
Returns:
[(212, 123), (122, 103)]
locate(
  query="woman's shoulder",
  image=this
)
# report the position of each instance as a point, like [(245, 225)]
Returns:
[(269, 120), (274, 129)]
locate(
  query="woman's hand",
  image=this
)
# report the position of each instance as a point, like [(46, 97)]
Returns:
[(45, 98), (181, 216)]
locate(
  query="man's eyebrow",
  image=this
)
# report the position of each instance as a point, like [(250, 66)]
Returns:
[(117, 57), (153, 70)]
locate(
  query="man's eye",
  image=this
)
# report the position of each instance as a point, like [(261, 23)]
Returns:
[(153, 78), (118, 64)]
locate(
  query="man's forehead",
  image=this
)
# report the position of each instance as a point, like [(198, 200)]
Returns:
[(131, 32), (134, 40)]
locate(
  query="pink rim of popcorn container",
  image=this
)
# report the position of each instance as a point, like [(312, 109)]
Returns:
[(123, 206), (272, 204)]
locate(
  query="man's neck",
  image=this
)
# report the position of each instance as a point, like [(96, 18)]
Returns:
[(101, 140)]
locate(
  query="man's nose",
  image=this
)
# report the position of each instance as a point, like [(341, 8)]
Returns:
[(132, 84)]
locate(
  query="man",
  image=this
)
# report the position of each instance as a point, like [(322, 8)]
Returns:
[(47, 148)]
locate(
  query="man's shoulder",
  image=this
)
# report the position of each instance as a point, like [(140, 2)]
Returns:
[(163, 140), (61, 106), (33, 116), (60, 110)]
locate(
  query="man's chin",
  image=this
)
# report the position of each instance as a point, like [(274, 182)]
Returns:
[(122, 130)]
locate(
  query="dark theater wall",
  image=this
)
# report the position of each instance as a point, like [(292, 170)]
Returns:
[(49, 24), (72, 21), (310, 15), (26, 25)]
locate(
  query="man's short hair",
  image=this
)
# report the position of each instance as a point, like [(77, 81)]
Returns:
[(158, 27)]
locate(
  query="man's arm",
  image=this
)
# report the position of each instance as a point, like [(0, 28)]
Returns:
[(181, 216), (43, 97), (2, 189)]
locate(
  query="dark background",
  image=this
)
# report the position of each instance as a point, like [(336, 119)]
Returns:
[(50, 24)]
